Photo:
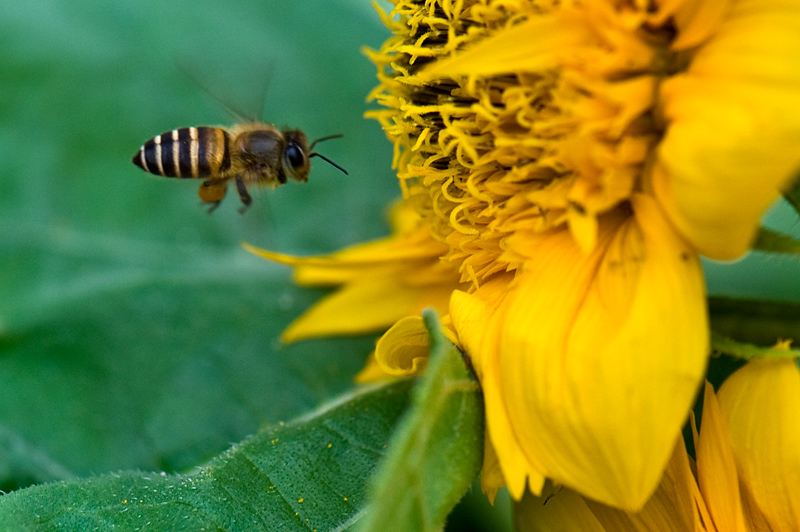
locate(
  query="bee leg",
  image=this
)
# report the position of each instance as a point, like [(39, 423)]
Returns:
[(241, 188), (212, 191)]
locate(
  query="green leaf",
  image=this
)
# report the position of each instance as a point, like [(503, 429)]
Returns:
[(158, 371), (747, 329), (758, 322), (771, 241), (305, 475), (728, 346), (437, 450)]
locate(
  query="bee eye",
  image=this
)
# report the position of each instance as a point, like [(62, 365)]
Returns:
[(295, 155)]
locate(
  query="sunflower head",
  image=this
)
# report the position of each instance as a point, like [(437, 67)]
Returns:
[(552, 125), (536, 115)]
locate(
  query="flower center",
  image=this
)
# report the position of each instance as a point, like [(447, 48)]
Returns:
[(503, 146)]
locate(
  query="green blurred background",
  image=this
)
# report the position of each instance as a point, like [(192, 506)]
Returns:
[(134, 330), (84, 84)]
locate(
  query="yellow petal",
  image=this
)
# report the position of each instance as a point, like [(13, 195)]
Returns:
[(411, 248), (380, 257), (673, 507), (716, 468), (557, 510), (404, 349), (470, 315), (697, 20), (473, 316), (369, 305), (383, 281), (734, 128), (596, 381), (761, 406), (676, 504), (491, 474), (529, 45)]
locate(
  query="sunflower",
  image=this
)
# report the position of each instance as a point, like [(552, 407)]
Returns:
[(564, 164)]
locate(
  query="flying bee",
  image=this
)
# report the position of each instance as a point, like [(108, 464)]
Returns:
[(252, 153)]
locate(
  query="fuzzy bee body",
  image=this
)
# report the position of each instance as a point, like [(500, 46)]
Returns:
[(249, 154)]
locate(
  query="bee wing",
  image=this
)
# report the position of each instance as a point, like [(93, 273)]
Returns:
[(259, 78), (238, 114)]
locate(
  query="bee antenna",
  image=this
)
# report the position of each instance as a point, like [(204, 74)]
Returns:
[(328, 160), (325, 138)]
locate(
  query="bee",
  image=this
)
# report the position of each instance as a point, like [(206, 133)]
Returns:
[(248, 154)]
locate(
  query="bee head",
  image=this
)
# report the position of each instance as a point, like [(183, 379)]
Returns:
[(295, 156)]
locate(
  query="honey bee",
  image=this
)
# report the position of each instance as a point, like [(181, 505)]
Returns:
[(252, 153)]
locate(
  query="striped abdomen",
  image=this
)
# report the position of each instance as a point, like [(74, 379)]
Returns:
[(186, 152)]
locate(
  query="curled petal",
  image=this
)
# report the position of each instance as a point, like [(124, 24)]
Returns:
[(404, 349)]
